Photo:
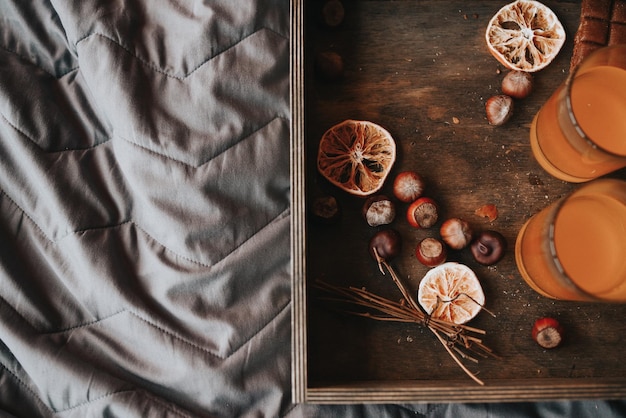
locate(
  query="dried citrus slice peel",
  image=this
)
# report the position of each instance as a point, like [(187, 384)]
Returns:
[(451, 292), (525, 35), (356, 156)]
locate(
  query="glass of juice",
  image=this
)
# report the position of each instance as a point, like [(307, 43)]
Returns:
[(579, 134), (575, 248)]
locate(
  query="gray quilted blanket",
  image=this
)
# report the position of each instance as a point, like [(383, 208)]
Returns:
[(144, 214)]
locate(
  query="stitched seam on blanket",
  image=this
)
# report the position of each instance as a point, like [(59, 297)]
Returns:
[(80, 405), (37, 398), (172, 334), (152, 66), (135, 223), (150, 150), (278, 217), (25, 386), (26, 59), (167, 406), (46, 236), (234, 349), (31, 140), (232, 145)]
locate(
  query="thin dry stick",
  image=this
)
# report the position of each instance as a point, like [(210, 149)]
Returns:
[(456, 338), (456, 359)]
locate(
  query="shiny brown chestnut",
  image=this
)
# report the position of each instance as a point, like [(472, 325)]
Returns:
[(517, 84), (488, 247), (387, 243)]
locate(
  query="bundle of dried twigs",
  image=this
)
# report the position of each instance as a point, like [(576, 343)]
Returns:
[(460, 341)]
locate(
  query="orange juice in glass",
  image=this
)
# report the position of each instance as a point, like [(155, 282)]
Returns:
[(580, 132), (575, 249)]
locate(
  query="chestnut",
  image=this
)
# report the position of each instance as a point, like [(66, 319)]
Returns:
[(325, 209), (408, 186), (333, 13), (387, 243), (422, 213), (499, 109), (379, 210), (488, 247), (431, 252), (517, 84), (456, 232), (547, 332), (329, 65)]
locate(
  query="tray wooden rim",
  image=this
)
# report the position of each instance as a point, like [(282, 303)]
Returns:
[(377, 391), (298, 199), (462, 391)]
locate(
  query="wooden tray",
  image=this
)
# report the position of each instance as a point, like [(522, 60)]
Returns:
[(422, 70)]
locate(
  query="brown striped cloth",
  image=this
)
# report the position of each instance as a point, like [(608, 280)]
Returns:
[(602, 22)]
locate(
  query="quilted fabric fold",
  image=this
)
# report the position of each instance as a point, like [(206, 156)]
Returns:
[(144, 208)]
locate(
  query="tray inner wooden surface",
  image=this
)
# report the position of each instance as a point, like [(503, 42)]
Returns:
[(422, 70)]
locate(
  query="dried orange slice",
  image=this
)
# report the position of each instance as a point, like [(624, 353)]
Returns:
[(451, 292), (356, 156), (525, 35)]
